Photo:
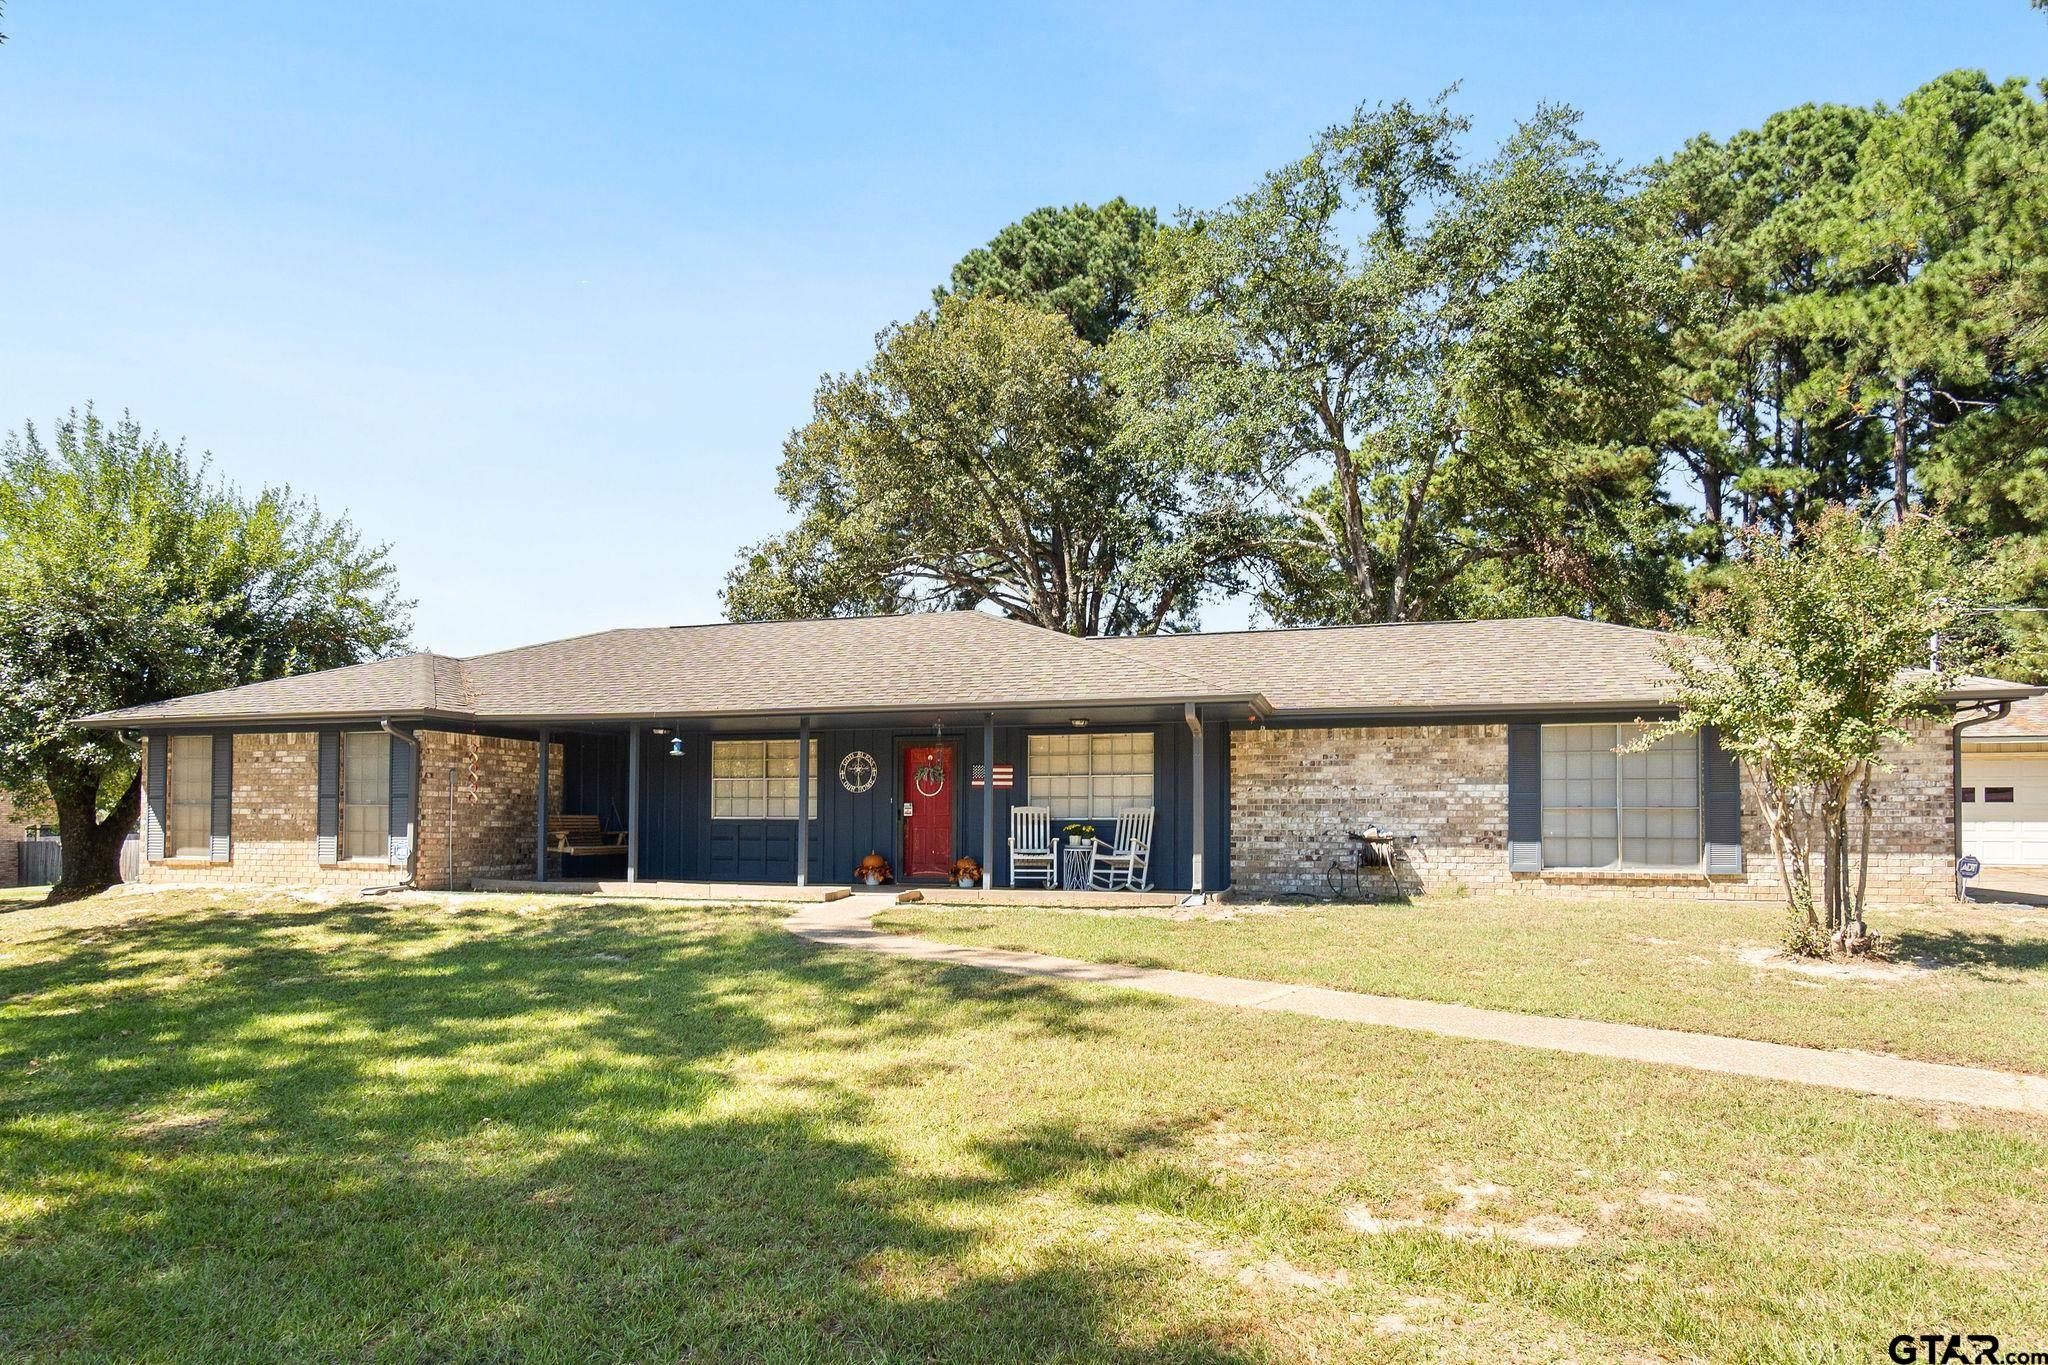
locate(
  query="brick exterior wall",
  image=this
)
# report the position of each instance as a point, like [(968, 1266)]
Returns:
[(1912, 835), (273, 835), (1293, 791), (491, 824)]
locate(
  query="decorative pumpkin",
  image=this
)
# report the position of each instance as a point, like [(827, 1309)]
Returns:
[(874, 870), (966, 872)]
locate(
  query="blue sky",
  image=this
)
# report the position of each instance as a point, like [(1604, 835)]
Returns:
[(535, 292)]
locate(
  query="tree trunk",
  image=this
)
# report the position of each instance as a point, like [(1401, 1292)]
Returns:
[(1899, 485), (1830, 873), (1794, 850), (1711, 496), (1359, 570), (91, 846), (1863, 853)]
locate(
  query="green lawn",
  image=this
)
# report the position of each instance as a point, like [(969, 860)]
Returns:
[(1639, 962), (235, 1128)]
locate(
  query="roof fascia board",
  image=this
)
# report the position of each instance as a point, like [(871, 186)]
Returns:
[(276, 724), (486, 720), (822, 714), (1591, 712)]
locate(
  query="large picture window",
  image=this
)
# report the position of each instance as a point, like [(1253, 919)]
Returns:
[(366, 795), (190, 782), (755, 779), (1602, 808), (1090, 777)]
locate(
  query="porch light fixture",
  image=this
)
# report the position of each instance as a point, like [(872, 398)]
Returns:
[(1078, 723), (675, 747)]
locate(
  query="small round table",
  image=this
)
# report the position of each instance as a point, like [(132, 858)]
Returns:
[(1074, 863)]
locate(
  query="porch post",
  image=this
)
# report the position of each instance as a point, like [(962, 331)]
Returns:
[(988, 802), (540, 812), (633, 804), (803, 801), (1201, 821)]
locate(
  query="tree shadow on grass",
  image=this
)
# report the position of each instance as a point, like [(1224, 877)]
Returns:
[(381, 1132), (1984, 953)]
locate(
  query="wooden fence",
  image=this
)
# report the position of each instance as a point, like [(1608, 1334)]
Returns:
[(42, 860)]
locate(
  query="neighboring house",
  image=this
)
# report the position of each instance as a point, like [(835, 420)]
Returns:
[(1491, 744), (2005, 787), (14, 827)]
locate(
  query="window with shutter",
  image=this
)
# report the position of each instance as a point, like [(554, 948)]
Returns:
[(366, 795), (190, 833), (1606, 808)]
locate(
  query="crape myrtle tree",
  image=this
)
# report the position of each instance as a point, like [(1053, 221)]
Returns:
[(1808, 659), (129, 575), (1427, 379), (973, 462)]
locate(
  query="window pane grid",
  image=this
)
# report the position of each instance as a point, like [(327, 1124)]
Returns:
[(190, 780), (755, 779), (366, 795), (1604, 808), (1089, 777)]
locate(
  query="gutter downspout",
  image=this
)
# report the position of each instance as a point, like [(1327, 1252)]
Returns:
[(1999, 711), (412, 827)]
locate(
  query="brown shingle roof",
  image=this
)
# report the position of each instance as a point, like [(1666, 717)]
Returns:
[(974, 661), (1434, 665), (410, 684), (1521, 663), (2027, 720), (931, 661), (936, 660)]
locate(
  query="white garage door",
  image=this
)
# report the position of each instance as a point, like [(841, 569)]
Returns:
[(2005, 809)]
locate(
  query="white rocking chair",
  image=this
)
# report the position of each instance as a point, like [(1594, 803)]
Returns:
[(1126, 863), (1032, 856)]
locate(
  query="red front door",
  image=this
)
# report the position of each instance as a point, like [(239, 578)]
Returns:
[(928, 801)]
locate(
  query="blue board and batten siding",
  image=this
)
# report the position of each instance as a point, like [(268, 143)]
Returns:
[(679, 841)]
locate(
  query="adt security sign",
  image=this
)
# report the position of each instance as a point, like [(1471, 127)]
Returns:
[(1968, 867)]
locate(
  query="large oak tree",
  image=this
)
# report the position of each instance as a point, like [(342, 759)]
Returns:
[(969, 464), (974, 461)]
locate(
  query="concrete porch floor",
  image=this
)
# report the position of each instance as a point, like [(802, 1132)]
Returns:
[(783, 892)]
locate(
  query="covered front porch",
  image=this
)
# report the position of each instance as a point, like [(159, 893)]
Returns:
[(706, 807)]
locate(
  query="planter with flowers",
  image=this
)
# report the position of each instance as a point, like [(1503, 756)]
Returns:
[(874, 870), (1079, 834), (966, 872)]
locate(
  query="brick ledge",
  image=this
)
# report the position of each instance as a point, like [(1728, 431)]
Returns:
[(1629, 877)]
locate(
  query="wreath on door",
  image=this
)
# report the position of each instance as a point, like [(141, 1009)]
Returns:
[(929, 777)]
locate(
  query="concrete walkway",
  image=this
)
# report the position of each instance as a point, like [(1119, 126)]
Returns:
[(844, 924)]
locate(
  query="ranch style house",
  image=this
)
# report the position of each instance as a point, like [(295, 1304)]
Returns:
[(1376, 759)]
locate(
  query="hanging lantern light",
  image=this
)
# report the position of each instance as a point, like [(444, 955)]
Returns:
[(675, 747)]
